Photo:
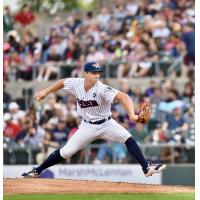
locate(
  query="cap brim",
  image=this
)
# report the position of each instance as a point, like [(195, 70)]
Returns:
[(96, 70)]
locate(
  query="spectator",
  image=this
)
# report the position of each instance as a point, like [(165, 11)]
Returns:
[(15, 112), (103, 18), (88, 18), (72, 52), (139, 133), (51, 66), (114, 152), (137, 45), (159, 135), (60, 132), (188, 92), (13, 66), (31, 114), (34, 137), (172, 95), (188, 36), (11, 130), (94, 54), (47, 147), (124, 87), (25, 16), (175, 120), (119, 115), (167, 155), (25, 70), (6, 96), (150, 90), (25, 125), (157, 96), (176, 123), (7, 20), (58, 113)]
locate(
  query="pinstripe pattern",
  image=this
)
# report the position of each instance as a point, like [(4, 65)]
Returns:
[(82, 137), (104, 96), (109, 130), (114, 132)]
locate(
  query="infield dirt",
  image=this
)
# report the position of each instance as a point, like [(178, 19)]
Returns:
[(61, 186)]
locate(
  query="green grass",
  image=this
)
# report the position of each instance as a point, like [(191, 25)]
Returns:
[(133, 196)]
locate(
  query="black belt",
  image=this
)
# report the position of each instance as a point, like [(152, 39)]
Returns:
[(99, 121)]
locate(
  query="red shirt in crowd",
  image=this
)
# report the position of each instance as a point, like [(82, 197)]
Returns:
[(11, 130), (25, 17)]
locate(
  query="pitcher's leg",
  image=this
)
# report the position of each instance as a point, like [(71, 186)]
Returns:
[(83, 136), (117, 133), (78, 141), (148, 169), (114, 132), (53, 159), (135, 151)]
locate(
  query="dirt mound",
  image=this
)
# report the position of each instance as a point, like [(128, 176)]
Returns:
[(60, 186)]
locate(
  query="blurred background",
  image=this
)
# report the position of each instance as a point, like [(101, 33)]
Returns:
[(147, 49)]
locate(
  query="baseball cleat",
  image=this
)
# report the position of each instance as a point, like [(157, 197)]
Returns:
[(31, 174), (154, 168)]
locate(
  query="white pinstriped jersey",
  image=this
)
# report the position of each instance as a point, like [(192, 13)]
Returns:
[(94, 104)]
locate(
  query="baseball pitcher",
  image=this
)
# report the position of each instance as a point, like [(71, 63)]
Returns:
[(94, 101)]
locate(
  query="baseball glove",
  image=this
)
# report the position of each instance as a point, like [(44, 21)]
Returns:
[(144, 113)]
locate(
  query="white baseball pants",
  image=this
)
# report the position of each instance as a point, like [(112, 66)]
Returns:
[(86, 133)]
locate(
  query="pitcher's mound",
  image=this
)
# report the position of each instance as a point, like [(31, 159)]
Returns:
[(61, 186)]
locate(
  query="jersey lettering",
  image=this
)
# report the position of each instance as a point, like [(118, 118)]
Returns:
[(86, 104)]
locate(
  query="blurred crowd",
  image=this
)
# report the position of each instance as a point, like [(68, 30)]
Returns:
[(135, 35), (47, 127), (131, 35)]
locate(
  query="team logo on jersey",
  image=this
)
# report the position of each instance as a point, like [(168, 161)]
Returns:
[(86, 104), (96, 65)]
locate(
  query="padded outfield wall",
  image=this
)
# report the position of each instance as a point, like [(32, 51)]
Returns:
[(173, 175)]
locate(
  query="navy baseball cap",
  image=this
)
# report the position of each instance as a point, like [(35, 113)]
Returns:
[(93, 67)]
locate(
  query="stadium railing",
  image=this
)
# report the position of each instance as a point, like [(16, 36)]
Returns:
[(16, 154)]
